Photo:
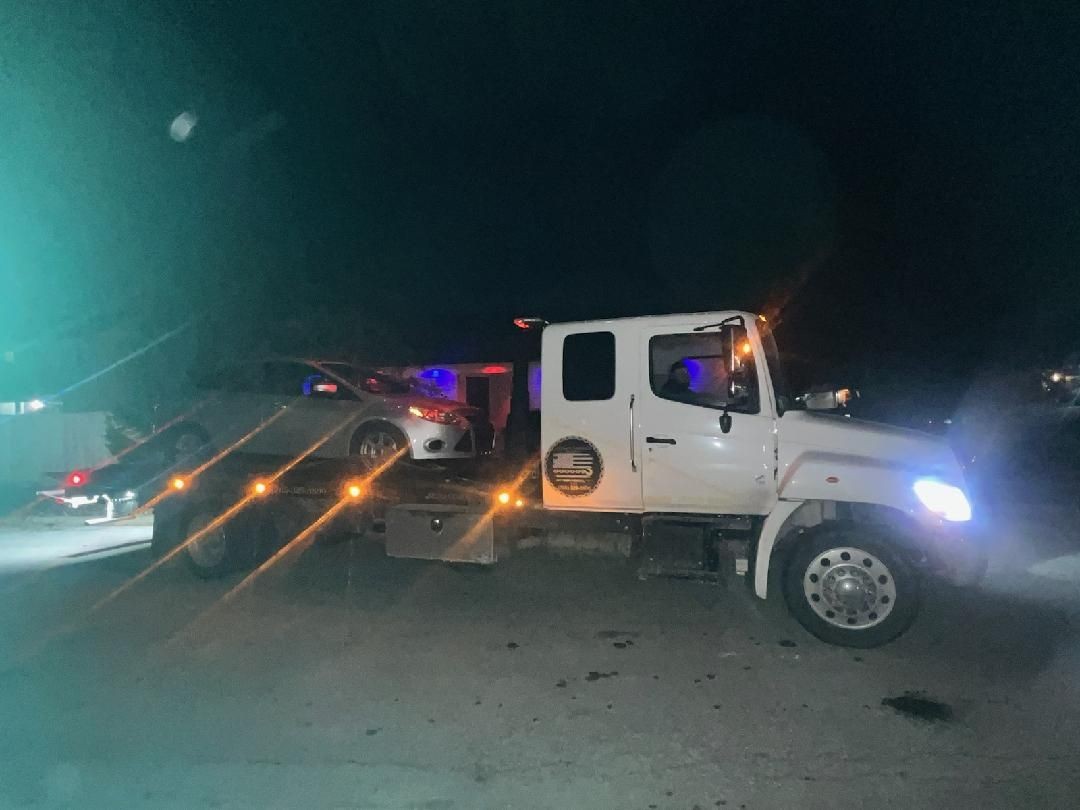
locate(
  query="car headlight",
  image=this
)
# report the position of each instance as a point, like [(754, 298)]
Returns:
[(943, 499), (443, 417)]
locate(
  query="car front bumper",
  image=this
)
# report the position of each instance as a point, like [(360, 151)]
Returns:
[(431, 440)]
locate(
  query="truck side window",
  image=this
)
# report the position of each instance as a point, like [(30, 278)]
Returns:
[(708, 369), (588, 366)]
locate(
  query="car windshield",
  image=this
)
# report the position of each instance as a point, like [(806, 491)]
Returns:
[(366, 379)]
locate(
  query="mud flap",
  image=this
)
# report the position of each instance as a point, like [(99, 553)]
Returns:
[(440, 532)]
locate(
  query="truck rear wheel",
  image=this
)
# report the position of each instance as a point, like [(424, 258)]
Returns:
[(848, 585), (220, 549)]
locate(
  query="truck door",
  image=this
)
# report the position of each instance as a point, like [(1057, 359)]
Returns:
[(689, 380), (589, 389)]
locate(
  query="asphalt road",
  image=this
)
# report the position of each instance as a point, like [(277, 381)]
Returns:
[(346, 679)]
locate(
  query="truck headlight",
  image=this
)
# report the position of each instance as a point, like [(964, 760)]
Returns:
[(943, 499)]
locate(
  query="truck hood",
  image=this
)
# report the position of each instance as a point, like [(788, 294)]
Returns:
[(804, 432)]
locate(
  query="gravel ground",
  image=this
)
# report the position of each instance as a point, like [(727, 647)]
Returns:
[(346, 679)]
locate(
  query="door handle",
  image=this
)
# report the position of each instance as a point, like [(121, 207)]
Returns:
[(659, 440), (633, 459)]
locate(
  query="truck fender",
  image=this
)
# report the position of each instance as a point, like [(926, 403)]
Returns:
[(770, 531), (844, 478)]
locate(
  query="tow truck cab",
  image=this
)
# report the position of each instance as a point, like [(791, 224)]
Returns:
[(685, 420)]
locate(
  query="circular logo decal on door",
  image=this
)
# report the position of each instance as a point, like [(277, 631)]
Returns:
[(573, 466)]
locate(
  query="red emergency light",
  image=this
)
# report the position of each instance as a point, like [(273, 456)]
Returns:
[(77, 478), (530, 323)]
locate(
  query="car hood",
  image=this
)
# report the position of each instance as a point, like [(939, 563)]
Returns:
[(805, 431), (410, 400)]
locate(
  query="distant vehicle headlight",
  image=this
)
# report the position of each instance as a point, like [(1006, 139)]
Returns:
[(943, 499)]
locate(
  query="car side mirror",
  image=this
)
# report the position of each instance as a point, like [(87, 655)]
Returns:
[(318, 387)]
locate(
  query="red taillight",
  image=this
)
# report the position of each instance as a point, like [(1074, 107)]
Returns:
[(77, 478)]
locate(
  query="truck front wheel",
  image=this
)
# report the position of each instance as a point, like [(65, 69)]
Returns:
[(848, 585)]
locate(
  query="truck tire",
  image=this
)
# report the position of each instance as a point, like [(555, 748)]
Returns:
[(849, 585), (221, 550)]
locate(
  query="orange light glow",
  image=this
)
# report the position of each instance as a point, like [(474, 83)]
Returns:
[(178, 483), (260, 487), (519, 503), (504, 498), (745, 347), (354, 490), (229, 513)]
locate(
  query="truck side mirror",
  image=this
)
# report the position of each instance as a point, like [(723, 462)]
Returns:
[(829, 400), (821, 401), (725, 422)]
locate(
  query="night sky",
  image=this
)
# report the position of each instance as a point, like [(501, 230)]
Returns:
[(898, 181)]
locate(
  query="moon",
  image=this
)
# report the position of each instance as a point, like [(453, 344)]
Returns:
[(183, 126)]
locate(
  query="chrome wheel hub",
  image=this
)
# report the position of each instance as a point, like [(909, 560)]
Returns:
[(378, 445), (849, 588)]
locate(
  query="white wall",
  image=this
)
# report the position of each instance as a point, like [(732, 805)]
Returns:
[(34, 444)]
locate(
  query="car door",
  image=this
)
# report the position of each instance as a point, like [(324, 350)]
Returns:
[(690, 380), (235, 407), (321, 410), (589, 389)]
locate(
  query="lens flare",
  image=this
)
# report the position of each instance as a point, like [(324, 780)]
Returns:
[(224, 517)]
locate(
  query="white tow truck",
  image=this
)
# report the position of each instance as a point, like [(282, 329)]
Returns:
[(675, 429)]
